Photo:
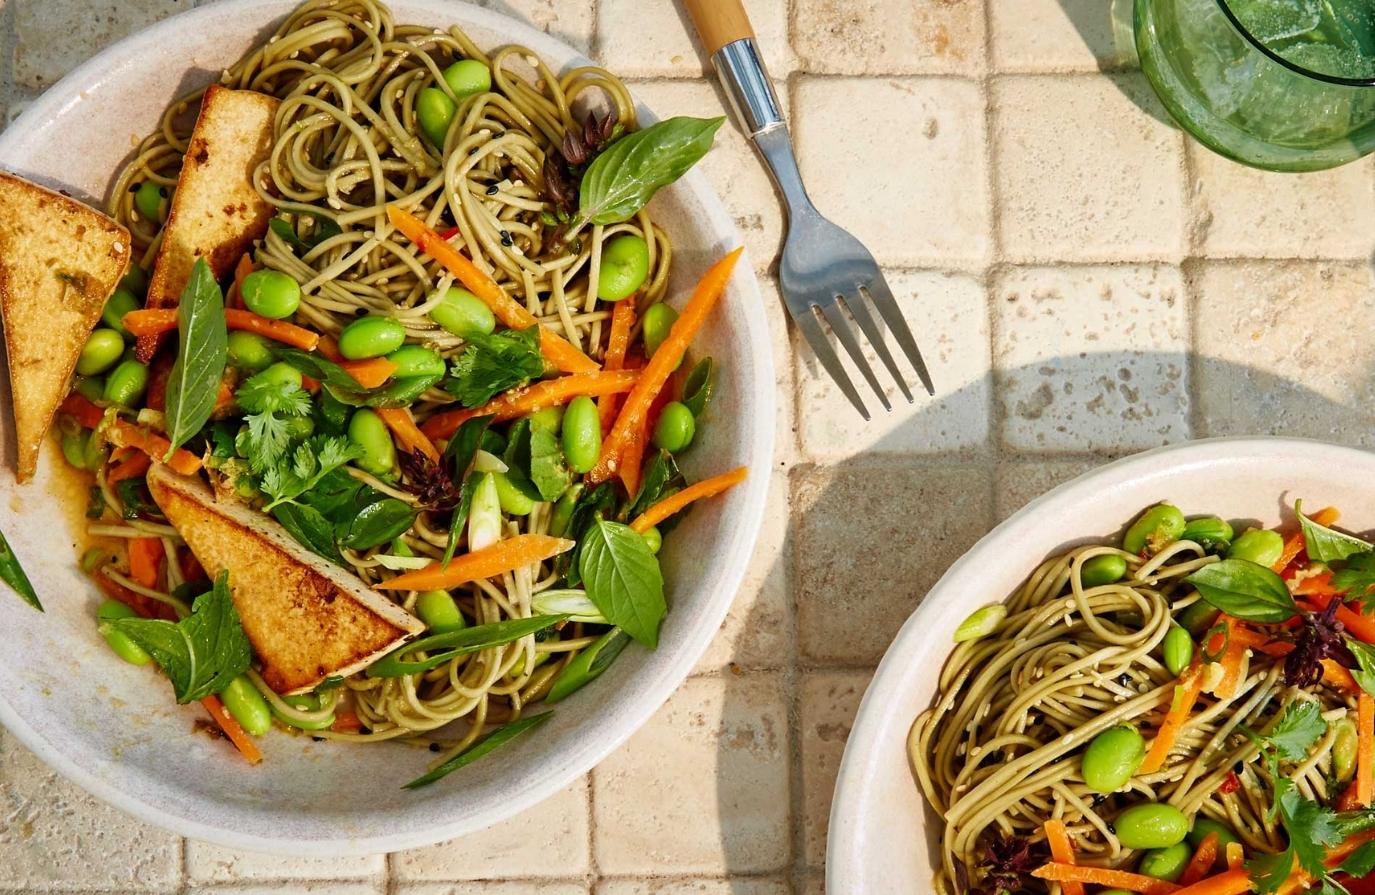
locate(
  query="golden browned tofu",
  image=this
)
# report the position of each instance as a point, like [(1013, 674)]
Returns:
[(216, 211), (306, 617), (59, 261)]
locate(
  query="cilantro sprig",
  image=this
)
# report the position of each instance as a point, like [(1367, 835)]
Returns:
[(492, 364)]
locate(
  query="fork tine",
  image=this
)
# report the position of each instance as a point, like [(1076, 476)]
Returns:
[(821, 347), (859, 309), (836, 317), (882, 298)]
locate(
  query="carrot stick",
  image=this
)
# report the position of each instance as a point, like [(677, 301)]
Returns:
[(1186, 693), (675, 502), (1230, 882), (235, 297), (1357, 625), (407, 434), (347, 720), (83, 411), (633, 458), (154, 321), (617, 344), (1365, 749), (1294, 543), (369, 373), (126, 434), (1062, 850), (509, 311), (144, 556), (146, 607), (1318, 584), (131, 468), (518, 402), (329, 349), (1236, 856), (1336, 676), (503, 556), (662, 365), (1099, 876), (237, 735), (1232, 657), (1205, 856)]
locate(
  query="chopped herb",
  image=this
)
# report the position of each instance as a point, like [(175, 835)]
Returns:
[(492, 364), (1324, 544)]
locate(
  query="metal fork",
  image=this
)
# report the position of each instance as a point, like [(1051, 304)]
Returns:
[(825, 271)]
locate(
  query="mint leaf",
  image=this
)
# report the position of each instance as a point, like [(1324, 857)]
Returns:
[(623, 580), (12, 573), (492, 364), (482, 746), (1325, 544), (202, 653), (1244, 590), (1299, 727), (202, 352)]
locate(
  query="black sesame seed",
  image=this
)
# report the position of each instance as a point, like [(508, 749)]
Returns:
[(133, 187), (492, 190), (318, 739), (1124, 679), (434, 747), (1099, 799), (506, 239), (360, 312), (1112, 829), (1239, 767)]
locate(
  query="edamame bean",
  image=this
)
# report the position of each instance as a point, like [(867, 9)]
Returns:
[(1205, 825), (76, 447), (371, 337), (463, 313), (135, 279), (242, 700), (280, 374), (439, 612), (562, 513), (1258, 545), (148, 199), (980, 623), (250, 351), (1111, 758), (1198, 617), (297, 427), (126, 383), (582, 434), (1209, 532), (675, 428), (1153, 529), (547, 418), (416, 360), (513, 501), (1151, 825), (1178, 649), (435, 111), (306, 702), (271, 294), (1106, 568), (468, 77), (1166, 863), (658, 323), (120, 302), (102, 350), (654, 538), (1344, 750), (92, 388), (123, 646), (367, 430), (625, 264)]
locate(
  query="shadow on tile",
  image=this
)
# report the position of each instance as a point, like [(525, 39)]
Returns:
[(1106, 29)]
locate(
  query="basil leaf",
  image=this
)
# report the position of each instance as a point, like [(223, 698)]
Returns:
[(462, 451), (1364, 673), (601, 500), (517, 458), (1361, 862), (661, 479), (12, 573), (482, 746), (1244, 590), (378, 523), (325, 228), (201, 354), (699, 386), (338, 495), (310, 528), (1324, 544), (588, 665), (623, 179), (458, 643), (548, 470), (202, 653), (623, 580)]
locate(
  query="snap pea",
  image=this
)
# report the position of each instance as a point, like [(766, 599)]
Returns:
[(1258, 545), (243, 701), (624, 266), (1178, 649), (120, 642), (1205, 825), (588, 665), (1344, 750), (250, 351), (1111, 758), (654, 538), (1151, 825), (1209, 532), (370, 434), (562, 513), (126, 383), (102, 350), (92, 388), (981, 622), (1156, 527), (271, 294), (416, 360), (1106, 568), (148, 199), (439, 612), (120, 302), (306, 702), (658, 322), (1198, 617), (371, 337), (1166, 863), (513, 501), (435, 111), (463, 313), (675, 428), (582, 434), (468, 77)]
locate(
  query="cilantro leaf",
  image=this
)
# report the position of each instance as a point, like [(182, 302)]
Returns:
[(1325, 544), (268, 439), (267, 395), (311, 461), (202, 653), (1298, 729), (1357, 579), (1360, 862), (493, 364), (1312, 830), (1268, 872)]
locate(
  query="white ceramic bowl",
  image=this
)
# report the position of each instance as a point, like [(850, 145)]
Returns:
[(882, 834), (114, 729)]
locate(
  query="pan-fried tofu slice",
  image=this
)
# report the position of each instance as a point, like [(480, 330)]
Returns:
[(306, 617), (216, 211), (59, 261)]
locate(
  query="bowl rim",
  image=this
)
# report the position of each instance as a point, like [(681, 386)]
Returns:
[(845, 852), (757, 437)]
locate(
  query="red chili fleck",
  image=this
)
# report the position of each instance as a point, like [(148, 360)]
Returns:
[(1230, 784), (449, 234)]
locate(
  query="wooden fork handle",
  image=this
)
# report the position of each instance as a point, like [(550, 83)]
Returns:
[(719, 22)]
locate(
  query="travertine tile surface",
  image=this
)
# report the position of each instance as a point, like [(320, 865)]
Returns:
[(1083, 282)]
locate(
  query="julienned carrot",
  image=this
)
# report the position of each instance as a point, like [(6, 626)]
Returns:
[(1229, 882), (557, 349), (1059, 872), (369, 373), (235, 297), (633, 459), (1186, 693), (617, 344), (1294, 543), (144, 556), (1062, 850), (328, 347), (347, 721), (675, 502), (1365, 749), (1205, 856), (1360, 626), (155, 321), (665, 360), (549, 393), (503, 556), (1236, 856), (131, 468), (83, 411), (125, 434), (1337, 676), (1233, 655), (237, 735), (406, 432)]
